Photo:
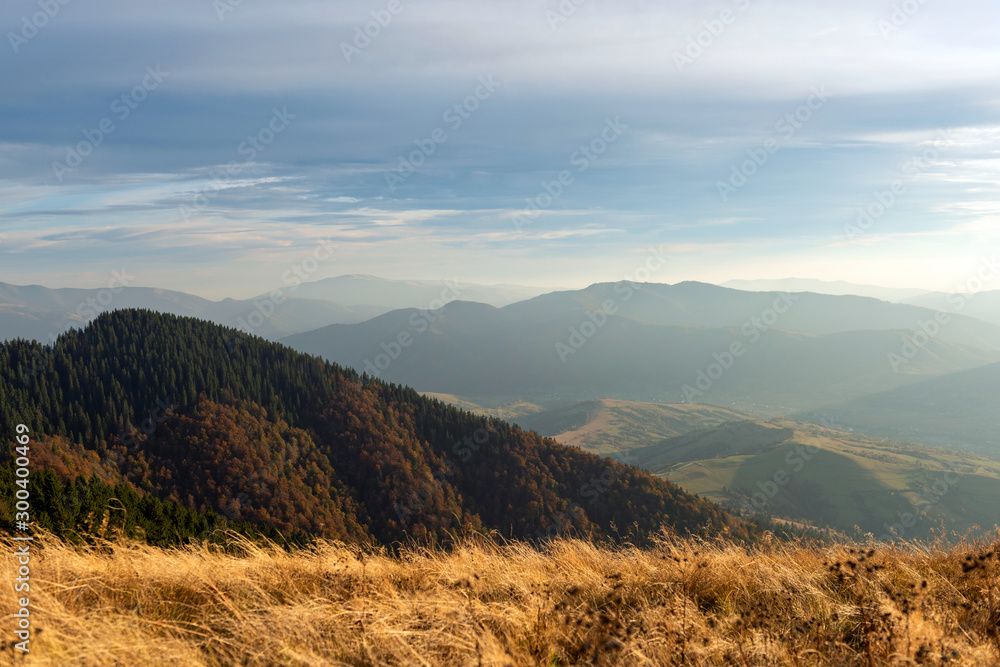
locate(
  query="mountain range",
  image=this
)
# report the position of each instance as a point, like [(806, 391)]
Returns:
[(353, 290), (218, 422), (39, 313), (983, 305), (836, 287), (763, 353), (661, 343)]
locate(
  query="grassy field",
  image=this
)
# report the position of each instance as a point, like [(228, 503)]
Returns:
[(607, 425), (684, 602), (509, 411)]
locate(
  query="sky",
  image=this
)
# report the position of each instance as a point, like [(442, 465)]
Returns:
[(209, 145)]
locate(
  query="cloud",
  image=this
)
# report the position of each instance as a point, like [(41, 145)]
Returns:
[(326, 173)]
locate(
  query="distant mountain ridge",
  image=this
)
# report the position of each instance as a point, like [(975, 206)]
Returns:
[(834, 287), (358, 289), (705, 305), (984, 305), (659, 340), (39, 313)]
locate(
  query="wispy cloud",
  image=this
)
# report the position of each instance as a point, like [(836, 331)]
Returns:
[(325, 174)]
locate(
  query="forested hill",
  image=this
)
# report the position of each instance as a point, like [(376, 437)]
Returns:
[(222, 422)]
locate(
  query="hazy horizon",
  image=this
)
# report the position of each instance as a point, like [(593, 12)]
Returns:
[(217, 295)]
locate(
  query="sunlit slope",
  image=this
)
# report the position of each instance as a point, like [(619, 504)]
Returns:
[(511, 411), (608, 425), (831, 478), (729, 439)]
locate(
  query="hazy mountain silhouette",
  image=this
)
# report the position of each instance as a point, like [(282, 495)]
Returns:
[(954, 410), (39, 313), (361, 289), (981, 305), (541, 348), (705, 305), (837, 287)]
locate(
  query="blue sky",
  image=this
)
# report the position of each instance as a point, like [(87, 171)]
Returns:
[(313, 122)]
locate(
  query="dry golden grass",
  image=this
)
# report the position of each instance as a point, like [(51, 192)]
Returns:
[(684, 602)]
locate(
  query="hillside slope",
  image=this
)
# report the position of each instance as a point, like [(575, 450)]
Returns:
[(983, 305), (955, 410), (189, 411), (831, 478), (728, 439)]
